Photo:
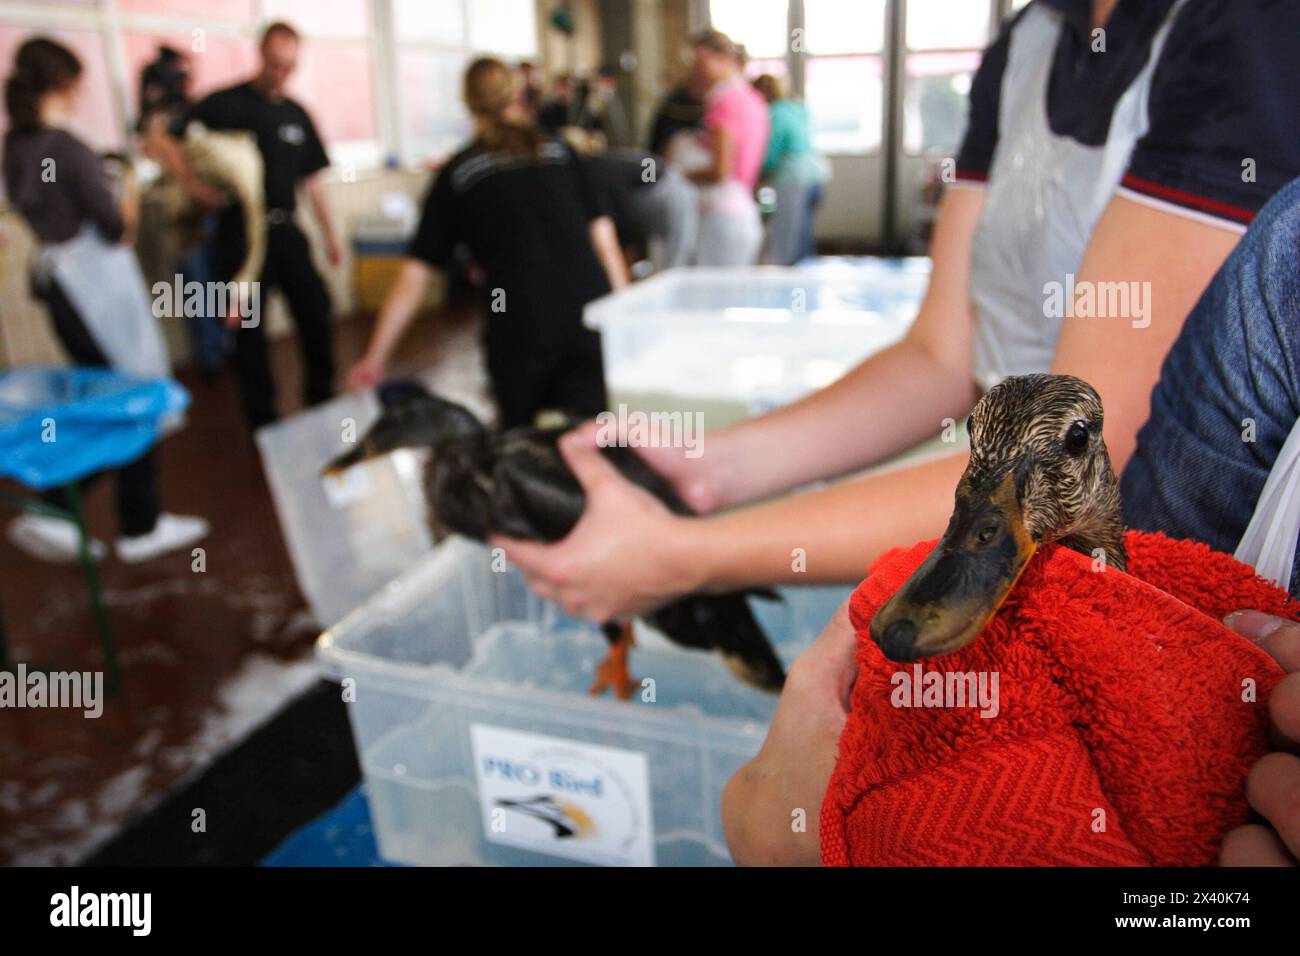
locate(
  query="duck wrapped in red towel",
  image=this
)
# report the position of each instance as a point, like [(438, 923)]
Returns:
[(1039, 687)]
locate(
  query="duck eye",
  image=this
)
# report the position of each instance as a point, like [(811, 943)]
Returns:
[(1076, 439)]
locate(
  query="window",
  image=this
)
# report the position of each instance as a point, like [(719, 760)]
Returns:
[(506, 28), (334, 80), (434, 42), (844, 26), (341, 76), (935, 102), (844, 73), (945, 25), (760, 25), (845, 97), (944, 43), (233, 11), (433, 121), (423, 21), (321, 18)]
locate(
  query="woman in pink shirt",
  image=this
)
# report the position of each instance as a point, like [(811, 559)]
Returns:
[(735, 140)]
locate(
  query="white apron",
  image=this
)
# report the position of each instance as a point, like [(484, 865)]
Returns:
[(1045, 195), (103, 282)]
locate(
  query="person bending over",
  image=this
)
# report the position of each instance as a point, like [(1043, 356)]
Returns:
[(524, 206)]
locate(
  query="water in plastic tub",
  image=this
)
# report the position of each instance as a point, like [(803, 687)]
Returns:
[(480, 744)]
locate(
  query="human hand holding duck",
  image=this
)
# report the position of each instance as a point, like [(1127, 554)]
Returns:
[(1106, 723), (1273, 786), (591, 572)]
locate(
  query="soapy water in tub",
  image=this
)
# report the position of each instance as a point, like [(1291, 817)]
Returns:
[(561, 654)]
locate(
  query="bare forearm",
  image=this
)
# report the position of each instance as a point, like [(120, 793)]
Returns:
[(826, 536), (889, 403), (399, 308), (130, 210), (1166, 261), (604, 239)]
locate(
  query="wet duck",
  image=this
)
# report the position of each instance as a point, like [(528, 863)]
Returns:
[(480, 482), (1039, 472)]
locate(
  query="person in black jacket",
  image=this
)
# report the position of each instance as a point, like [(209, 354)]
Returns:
[(531, 217), (292, 154)]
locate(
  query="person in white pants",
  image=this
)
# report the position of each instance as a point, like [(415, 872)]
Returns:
[(734, 142)]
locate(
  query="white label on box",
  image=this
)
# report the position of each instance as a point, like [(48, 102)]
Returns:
[(347, 487), (564, 797)]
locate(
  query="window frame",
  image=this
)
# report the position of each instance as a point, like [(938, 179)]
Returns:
[(111, 23), (893, 56)]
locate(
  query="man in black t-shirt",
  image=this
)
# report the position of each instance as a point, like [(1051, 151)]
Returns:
[(292, 153)]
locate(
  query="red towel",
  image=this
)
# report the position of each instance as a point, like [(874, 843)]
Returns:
[(1121, 735)]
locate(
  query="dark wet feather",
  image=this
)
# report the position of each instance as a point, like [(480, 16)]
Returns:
[(517, 484)]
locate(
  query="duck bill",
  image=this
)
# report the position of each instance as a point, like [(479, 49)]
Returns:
[(950, 598), (364, 451)]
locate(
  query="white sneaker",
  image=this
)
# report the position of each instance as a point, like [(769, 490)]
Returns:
[(169, 533), (50, 539)]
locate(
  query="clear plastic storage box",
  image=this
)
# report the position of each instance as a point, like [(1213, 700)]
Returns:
[(351, 535), (472, 720), (480, 745), (724, 342), (730, 343)]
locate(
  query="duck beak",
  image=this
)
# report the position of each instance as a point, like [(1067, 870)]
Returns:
[(947, 602), (364, 451)]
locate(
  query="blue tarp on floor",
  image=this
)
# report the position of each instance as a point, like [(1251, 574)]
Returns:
[(342, 837)]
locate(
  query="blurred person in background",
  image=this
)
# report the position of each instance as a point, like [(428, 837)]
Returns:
[(530, 87), (606, 111), (680, 113), (732, 148), (88, 278), (795, 170), (559, 108), (526, 208), (649, 201), (164, 103), (293, 155)]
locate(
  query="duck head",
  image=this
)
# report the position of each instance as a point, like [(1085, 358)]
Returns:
[(1038, 472), (412, 417)]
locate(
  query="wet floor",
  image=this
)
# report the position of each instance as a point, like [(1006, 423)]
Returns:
[(207, 654)]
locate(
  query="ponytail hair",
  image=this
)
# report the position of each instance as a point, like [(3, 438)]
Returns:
[(490, 90), (41, 66)]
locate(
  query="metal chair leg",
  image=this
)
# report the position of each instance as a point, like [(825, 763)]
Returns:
[(88, 568)]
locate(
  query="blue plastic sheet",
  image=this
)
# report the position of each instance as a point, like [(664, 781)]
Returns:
[(58, 425), (343, 836)]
